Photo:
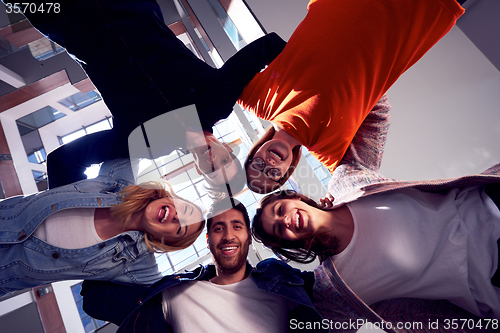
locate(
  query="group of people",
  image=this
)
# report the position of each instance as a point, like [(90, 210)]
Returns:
[(386, 246)]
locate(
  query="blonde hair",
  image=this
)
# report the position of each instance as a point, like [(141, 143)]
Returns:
[(295, 160), (136, 198)]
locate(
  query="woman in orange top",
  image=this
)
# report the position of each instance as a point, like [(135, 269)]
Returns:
[(337, 64)]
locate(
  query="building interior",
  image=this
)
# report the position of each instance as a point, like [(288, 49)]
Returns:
[(445, 122)]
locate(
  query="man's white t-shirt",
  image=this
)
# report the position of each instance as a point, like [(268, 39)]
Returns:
[(202, 306), (409, 243)]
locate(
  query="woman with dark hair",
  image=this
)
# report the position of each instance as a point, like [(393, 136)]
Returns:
[(338, 63), (390, 239), (301, 249), (105, 228)]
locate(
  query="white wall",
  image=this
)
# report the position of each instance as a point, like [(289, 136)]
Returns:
[(49, 133), (67, 306), (446, 114), (280, 16), (16, 302)]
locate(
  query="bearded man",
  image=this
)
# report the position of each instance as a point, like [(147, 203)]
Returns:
[(229, 296)]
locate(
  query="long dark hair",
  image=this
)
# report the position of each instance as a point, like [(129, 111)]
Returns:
[(304, 250)]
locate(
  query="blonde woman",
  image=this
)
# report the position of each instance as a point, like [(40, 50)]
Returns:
[(105, 228)]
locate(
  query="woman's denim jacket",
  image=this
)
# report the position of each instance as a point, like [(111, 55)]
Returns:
[(26, 261)]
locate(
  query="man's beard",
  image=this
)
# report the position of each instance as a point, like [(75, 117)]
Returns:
[(233, 264)]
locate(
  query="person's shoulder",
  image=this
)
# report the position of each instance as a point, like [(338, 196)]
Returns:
[(199, 273), (275, 266), (272, 262), (278, 270), (196, 274)]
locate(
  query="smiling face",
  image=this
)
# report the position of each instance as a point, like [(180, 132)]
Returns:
[(170, 220), (229, 240), (290, 219), (210, 155), (269, 164)]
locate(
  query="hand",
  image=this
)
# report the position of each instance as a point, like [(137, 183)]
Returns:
[(327, 202)]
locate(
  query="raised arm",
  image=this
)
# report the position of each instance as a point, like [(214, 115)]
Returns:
[(253, 58)]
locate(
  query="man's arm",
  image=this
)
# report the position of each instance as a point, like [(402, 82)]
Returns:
[(253, 58), (110, 301)]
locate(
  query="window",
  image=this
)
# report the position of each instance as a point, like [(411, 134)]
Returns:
[(40, 180), (28, 129), (89, 324), (40, 118), (43, 49), (33, 145), (102, 125), (73, 136), (2, 193), (227, 24), (320, 170), (200, 33), (80, 100)]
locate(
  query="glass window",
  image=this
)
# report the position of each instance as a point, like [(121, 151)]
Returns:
[(200, 33), (32, 143), (37, 156), (40, 118), (99, 126), (227, 24), (40, 180), (89, 324), (178, 257), (73, 136), (102, 125), (93, 171), (43, 49), (80, 100), (2, 192)]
